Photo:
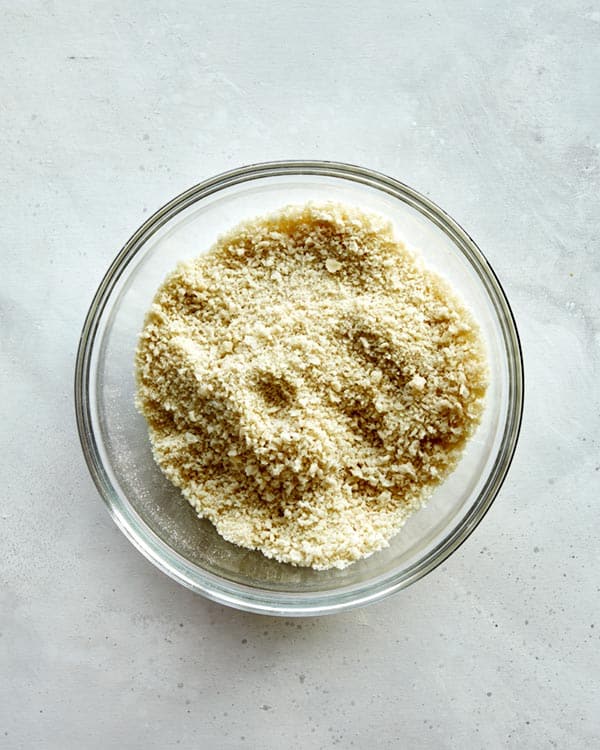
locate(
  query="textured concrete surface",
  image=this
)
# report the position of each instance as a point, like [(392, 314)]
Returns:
[(109, 109)]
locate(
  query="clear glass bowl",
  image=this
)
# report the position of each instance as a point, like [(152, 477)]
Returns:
[(153, 514)]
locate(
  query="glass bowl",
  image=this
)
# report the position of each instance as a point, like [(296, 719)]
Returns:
[(154, 515)]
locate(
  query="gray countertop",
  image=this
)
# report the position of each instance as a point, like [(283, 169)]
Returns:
[(109, 109)]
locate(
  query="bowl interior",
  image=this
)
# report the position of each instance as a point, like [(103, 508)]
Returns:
[(137, 487)]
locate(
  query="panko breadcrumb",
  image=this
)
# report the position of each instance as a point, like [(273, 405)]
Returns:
[(307, 383)]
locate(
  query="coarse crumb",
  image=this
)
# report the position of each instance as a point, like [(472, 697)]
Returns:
[(308, 382)]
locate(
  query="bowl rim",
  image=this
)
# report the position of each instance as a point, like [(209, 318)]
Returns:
[(260, 600)]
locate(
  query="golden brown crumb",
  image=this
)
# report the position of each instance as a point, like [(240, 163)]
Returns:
[(307, 383)]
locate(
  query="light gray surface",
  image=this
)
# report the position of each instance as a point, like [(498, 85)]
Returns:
[(108, 110)]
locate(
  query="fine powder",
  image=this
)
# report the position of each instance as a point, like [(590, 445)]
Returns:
[(308, 382)]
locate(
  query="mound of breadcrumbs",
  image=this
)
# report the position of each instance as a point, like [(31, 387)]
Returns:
[(308, 382)]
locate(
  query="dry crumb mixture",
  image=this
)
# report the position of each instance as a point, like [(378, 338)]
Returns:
[(307, 383)]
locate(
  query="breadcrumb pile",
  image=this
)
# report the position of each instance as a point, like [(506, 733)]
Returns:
[(308, 382)]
